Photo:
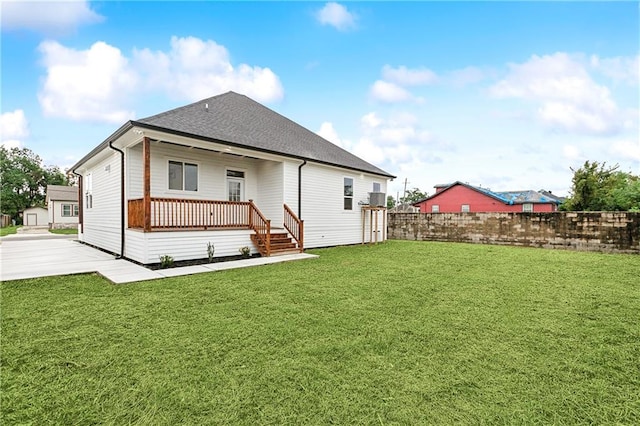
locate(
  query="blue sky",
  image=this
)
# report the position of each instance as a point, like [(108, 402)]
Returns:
[(507, 95)]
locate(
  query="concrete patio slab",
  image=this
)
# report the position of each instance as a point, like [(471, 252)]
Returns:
[(22, 258)]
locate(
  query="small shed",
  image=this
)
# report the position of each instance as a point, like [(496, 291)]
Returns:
[(35, 216)]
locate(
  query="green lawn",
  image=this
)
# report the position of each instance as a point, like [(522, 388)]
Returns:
[(399, 333), (8, 230), (63, 231)]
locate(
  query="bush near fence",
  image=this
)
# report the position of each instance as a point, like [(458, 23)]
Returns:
[(609, 232)]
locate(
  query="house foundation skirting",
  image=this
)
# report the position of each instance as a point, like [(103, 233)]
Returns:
[(147, 247)]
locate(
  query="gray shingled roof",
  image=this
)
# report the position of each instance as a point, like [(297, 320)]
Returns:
[(62, 193), (240, 121)]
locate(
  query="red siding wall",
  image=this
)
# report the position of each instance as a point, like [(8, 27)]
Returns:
[(451, 201)]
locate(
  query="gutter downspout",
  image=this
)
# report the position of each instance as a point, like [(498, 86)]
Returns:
[(80, 200), (300, 188), (121, 199)]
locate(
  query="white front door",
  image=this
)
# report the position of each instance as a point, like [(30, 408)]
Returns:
[(235, 189)]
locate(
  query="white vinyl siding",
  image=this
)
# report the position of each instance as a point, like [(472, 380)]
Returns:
[(270, 198), (101, 224), (326, 223), (184, 245), (134, 172), (212, 168), (290, 169)]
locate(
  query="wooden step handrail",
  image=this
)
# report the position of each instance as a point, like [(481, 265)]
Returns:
[(295, 226), (261, 226)]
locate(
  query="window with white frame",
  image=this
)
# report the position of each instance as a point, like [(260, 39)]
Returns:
[(527, 207), (88, 193), (435, 208), (348, 193), (69, 210), (183, 176), (465, 208)]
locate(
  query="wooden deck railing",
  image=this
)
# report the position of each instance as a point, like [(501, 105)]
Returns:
[(174, 213), (295, 226)]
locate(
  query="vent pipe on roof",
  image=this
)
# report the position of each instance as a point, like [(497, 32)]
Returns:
[(206, 107)]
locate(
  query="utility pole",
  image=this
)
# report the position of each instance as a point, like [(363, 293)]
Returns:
[(404, 195)]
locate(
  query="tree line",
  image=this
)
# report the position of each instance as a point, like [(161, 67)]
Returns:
[(24, 179)]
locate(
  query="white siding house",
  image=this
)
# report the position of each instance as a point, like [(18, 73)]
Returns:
[(226, 171), (62, 204)]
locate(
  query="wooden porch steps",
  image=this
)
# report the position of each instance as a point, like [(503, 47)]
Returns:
[(281, 243)]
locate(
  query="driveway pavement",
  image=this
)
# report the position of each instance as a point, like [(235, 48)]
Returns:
[(43, 255)]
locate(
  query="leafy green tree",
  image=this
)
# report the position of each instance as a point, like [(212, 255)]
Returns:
[(391, 202), (24, 180), (413, 196), (596, 187)]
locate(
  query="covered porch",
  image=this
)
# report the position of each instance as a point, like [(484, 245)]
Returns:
[(155, 208)]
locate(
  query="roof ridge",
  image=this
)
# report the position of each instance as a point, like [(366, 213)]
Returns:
[(173, 110)]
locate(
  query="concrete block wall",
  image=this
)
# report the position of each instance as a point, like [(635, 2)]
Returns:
[(609, 232)]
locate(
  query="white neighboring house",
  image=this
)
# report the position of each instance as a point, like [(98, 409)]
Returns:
[(35, 216), (227, 171), (62, 203)]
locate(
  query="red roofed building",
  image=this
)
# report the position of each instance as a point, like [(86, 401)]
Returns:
[(461, 197)]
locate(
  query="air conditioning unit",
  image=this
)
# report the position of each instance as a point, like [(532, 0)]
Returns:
[(377, 199)]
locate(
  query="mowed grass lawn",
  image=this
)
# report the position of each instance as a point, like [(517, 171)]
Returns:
[(398, 333)]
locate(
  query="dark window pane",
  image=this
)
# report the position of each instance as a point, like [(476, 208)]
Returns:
[(235, 173), (348, 187), (190, 177), (175, 175), (348, 203)]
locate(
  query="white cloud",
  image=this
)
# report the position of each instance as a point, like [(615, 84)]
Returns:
[(394, 141), (328, 132), (47, 16), (626, 150), (465, 76), (92, 85), (13, 129), (620, 68), (404, 76), (100, 83), (384, 91), (337, 16), (194, 69), (571, 152), (391, 89), (569, 98)]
